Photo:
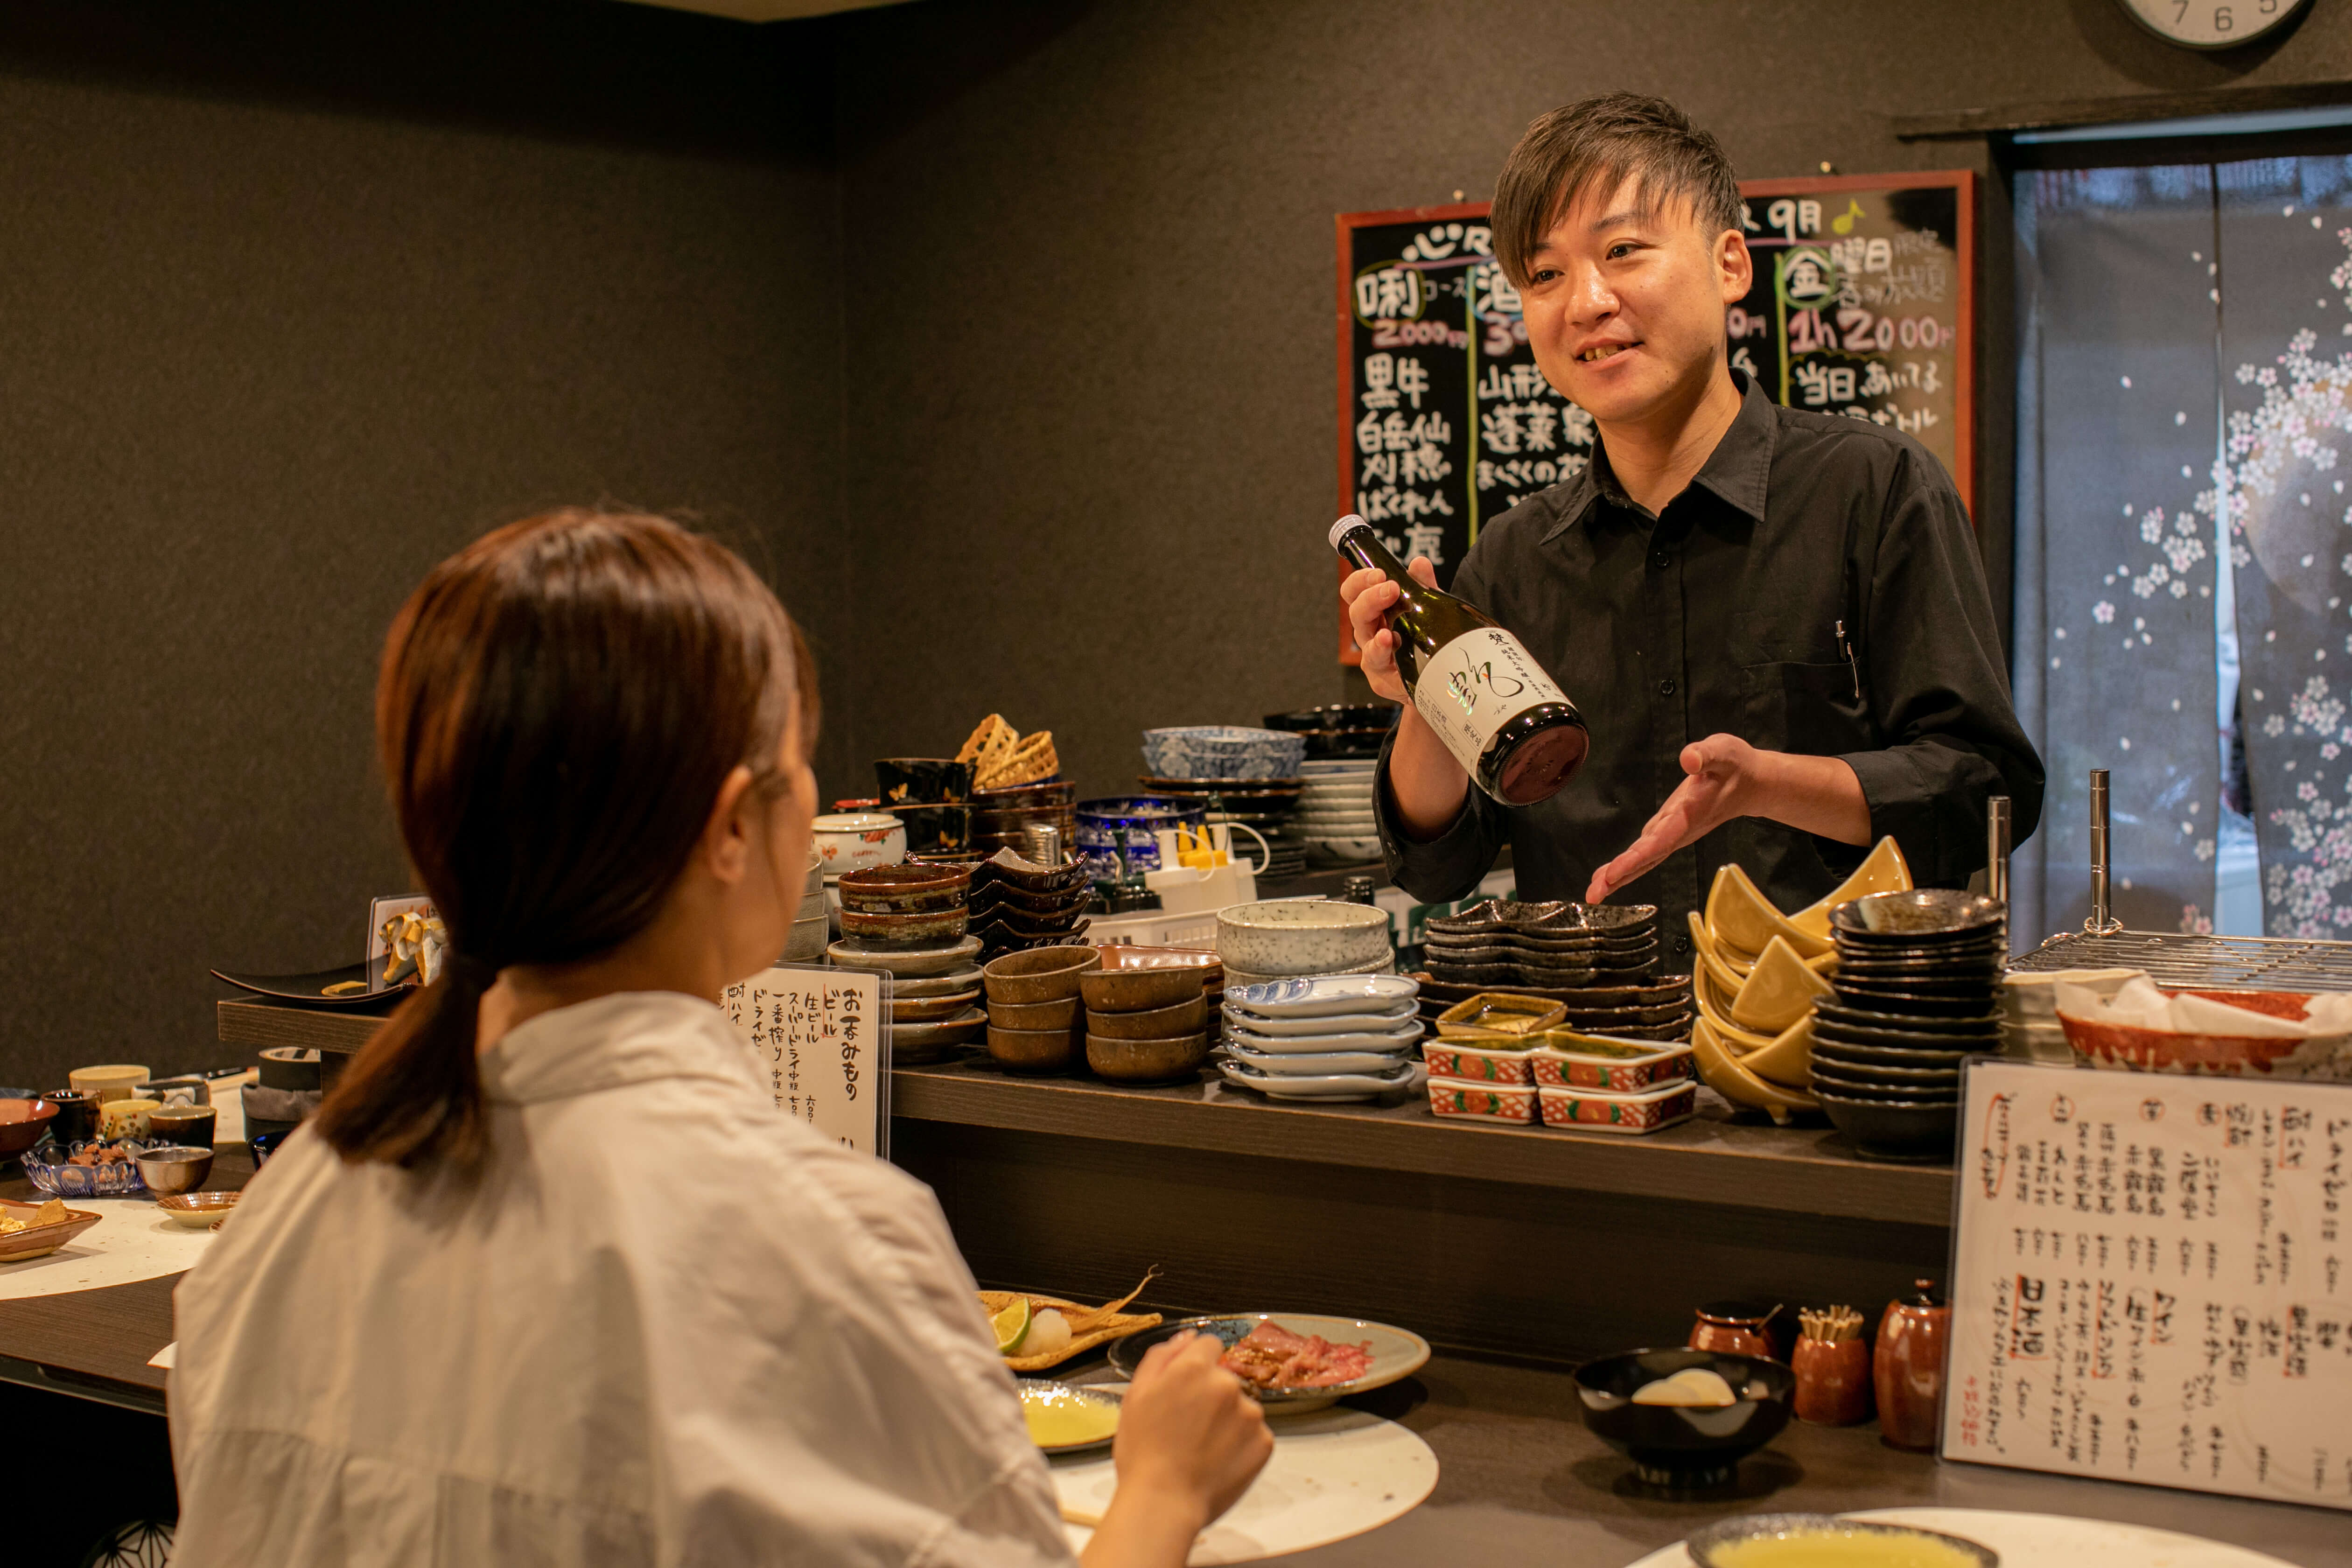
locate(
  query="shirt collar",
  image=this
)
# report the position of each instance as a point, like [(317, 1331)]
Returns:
[(631, 1036), (1739, 471)]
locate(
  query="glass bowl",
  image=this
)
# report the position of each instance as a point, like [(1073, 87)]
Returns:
[(48, 1164)]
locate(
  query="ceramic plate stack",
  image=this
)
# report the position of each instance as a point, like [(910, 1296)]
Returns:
[(1001, 818), (1917, 978), (1018, 903), (1340, 729), (1352, 1036), (1268, 806), (1335, 809), (897, 920), (812, 923), (1599, 961), (1288, 939)]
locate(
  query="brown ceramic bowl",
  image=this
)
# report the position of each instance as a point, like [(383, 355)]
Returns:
[(1033, 1050), (1153, 1023), (931, 928), (1061, 1012), (1038, 973), (22, 1123), (1142, 990), (1147, 1061), (904, 890), (1119, 955)]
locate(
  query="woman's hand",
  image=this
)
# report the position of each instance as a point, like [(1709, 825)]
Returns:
[(1189, 1443), (1368, 595)]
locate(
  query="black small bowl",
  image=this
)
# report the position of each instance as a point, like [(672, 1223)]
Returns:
[(1985, 1027), (1899, 1126), (1915, 919), (1864, 1082), (1675, 1445), (1834, 1046), (1914, 1004)]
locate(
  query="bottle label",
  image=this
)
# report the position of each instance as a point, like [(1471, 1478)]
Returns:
[(1478, 683)]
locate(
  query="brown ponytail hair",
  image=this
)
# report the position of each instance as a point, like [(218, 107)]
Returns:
[(558, 706)]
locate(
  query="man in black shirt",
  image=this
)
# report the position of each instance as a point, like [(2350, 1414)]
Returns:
[(1774, 622)]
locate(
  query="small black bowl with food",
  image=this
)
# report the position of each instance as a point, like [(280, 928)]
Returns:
[(1629, 1402)]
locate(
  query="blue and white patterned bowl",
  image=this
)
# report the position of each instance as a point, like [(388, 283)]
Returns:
[(1223, 752), (1102, 824)]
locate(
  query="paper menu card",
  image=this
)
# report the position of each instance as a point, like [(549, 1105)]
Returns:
[(2149, 1281), (822, 1037)]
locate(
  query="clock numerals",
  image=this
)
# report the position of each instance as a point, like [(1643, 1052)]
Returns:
[(2211, 24)]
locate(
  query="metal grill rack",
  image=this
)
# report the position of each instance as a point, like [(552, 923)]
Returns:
[(2204, 962)]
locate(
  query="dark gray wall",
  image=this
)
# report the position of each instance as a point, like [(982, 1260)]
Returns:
[(290, 308), (1092, 404)]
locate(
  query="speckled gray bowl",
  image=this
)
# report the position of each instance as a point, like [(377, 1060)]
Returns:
[(1294, 936)]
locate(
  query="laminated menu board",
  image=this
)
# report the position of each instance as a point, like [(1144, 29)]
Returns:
[(1863, 306), (822, 1036), (2148, 1280)]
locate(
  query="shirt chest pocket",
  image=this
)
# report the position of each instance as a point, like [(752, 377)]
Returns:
[(1797, 690)]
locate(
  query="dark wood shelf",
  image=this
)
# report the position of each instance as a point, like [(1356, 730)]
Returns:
[(1713, 1158)]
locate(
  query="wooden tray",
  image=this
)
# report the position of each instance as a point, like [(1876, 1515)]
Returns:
[(43, 1239)]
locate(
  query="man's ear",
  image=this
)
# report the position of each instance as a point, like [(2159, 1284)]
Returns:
[(1735, 265), (726, 844)]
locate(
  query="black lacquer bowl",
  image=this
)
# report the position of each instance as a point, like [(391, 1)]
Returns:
[(1681, 1446)]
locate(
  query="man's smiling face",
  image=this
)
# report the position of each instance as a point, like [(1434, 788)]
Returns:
[(1624, 303)]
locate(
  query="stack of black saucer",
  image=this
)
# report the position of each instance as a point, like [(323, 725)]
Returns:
[(1917, 983), (1599, 960)]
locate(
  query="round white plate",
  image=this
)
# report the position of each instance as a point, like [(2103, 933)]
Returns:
[(1335, 1473), (1334, 1086), (1389, 1039), (1324, 996), (1313, 1064), (2048, 1541), (1370, 1021)]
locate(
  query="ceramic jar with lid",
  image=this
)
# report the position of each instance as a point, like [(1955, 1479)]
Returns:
[(1908, 1367), (1736, 1328)]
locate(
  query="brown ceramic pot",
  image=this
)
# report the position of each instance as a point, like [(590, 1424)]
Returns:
[(1908, 1368), (1736, 1328), (1832, 1381)]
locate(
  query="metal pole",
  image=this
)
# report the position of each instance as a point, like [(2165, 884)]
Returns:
[(1997, 847), (2102, 921)]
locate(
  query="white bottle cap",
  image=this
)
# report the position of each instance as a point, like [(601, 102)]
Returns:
[(1341, 527)]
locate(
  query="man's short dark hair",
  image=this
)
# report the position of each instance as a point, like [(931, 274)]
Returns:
[(1599, 143)]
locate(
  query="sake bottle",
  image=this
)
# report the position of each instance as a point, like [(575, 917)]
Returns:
[(1511, 729)]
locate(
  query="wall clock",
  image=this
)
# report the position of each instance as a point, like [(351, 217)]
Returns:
[(2211, 24)]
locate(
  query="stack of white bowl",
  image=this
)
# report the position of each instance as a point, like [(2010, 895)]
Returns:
[(1285, 939), (1335, 809), (1354, 1036), (811, 924)]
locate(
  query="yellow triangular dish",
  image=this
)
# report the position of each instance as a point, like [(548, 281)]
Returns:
[(1711, 960), (1740, 916), (1734, 1037), (1788, 1059), (1779, 990), (1883, 871), (1729, 1078)]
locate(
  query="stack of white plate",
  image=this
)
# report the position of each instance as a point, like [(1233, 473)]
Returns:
[(1335, 809), (811, 927), (1336, 1037)]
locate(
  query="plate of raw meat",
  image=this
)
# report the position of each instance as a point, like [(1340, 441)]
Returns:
[(1293, 1362)]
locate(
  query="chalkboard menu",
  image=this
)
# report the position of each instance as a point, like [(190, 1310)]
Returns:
[(2148, 1281), (1862, 306)]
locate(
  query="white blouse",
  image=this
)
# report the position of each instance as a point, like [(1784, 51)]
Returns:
[(670, 1325)]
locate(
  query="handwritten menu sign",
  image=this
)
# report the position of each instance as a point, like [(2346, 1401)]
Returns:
[(2148, 1280), (1863, 306), (822, 1037)]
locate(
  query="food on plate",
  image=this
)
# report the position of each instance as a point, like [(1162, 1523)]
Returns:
[(1832, 1548), (50, 1213), (1064, 1417), (1693, 1386), (1032, 1332), (100, 1155), (1012, 1326), (1273, 1360), (1049, 1334)]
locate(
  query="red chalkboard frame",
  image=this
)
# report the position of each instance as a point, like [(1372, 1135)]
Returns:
[(1964, 404)]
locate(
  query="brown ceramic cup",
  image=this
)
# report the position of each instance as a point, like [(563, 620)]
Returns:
[(191, 1126), (1833, 1378)]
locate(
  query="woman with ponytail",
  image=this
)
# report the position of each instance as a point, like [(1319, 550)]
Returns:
[(548, 1278)]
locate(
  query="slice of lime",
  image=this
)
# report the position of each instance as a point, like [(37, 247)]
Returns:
[(1012, 1326)]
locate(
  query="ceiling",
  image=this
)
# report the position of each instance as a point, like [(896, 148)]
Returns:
[(767, 10)]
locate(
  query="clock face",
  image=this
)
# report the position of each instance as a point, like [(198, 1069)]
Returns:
[(2211, 24)]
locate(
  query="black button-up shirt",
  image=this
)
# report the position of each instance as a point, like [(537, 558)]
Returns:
[(1721, 615)]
